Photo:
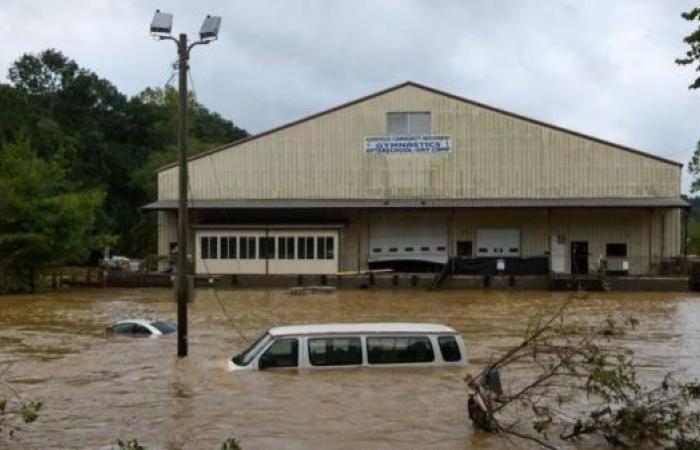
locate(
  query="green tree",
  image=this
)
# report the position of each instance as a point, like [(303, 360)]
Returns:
[(43, 221), (692, 57), (568, 381), (102, 140)]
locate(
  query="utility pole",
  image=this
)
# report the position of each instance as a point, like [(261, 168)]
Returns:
[(161, 27), (182, 280)]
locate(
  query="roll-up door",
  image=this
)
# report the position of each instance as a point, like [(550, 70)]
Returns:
[(408, 237), (497, 242)]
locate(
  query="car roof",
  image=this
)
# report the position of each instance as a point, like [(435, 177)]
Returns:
[(145, 322), (360, 328)]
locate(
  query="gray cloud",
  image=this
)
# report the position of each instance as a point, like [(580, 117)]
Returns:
[(599, 67)]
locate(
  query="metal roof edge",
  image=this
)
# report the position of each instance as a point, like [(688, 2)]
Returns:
[(273, 226), (495, 202)]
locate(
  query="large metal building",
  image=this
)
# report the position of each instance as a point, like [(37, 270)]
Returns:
[(414, 174)]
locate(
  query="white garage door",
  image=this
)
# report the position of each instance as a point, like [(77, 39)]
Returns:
[(500, 242), (408, 237)]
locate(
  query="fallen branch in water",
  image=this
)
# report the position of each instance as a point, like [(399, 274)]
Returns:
[(577, 383), (14, 410)]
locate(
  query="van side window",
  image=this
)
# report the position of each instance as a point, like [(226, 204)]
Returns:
[(282, 353), (335, 351), (399, 350), (449, 348)]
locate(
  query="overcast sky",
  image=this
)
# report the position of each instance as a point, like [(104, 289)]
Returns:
[(600, 67)]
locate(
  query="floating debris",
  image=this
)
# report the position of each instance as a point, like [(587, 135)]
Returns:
[(303, 290)]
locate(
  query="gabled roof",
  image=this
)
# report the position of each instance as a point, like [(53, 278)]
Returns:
[(434, 91)]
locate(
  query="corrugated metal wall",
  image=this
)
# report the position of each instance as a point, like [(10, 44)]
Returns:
[(650, 235), (494, 155)]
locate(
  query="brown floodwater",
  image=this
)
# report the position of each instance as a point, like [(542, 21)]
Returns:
[(98, 388)]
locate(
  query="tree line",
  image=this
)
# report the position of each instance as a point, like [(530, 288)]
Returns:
[(78, 159)]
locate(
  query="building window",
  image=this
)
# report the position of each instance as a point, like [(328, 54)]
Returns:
[(267, 247), (305, 247), (324, 247), (246, 247), (330, 248), (204, 247), (208, 247), (320, 248), (301, 248), (213, 241), (285, 247), (224, 247), (408, 123), (616, 250)]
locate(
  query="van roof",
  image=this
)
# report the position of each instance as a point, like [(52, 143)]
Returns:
[(360, 328)]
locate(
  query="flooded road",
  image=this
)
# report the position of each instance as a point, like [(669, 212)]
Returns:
[(97, 388)]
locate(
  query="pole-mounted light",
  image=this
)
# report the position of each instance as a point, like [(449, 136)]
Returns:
[(161, 27), (162, 23), (210, 28)]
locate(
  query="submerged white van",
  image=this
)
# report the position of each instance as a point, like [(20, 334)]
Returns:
[(353, 345)]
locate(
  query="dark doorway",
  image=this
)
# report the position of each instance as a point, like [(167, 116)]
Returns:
[(579, 257), (464, 248)]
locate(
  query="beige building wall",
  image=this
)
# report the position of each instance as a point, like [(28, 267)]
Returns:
[(167, 233), (494, 155)]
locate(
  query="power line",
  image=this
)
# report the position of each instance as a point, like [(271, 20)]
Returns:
[(192, 88), (173, 72), (216, 292)]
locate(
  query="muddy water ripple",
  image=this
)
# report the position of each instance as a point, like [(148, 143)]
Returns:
[(97, 388)]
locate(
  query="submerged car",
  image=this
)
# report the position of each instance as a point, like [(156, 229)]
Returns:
[(338, 345), (142, 327)]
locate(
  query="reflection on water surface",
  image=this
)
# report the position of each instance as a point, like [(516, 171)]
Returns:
[(98, 388)]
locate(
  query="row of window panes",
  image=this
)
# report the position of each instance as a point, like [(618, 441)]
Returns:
[(346, 351), (275, 247), (409, 249)]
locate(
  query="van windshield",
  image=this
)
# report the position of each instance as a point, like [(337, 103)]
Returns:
[(247, 356)]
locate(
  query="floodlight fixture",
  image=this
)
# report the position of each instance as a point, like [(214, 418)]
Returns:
[(210, 28), (162, 23)]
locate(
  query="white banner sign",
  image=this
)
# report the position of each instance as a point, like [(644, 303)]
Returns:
[(408, 144)]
